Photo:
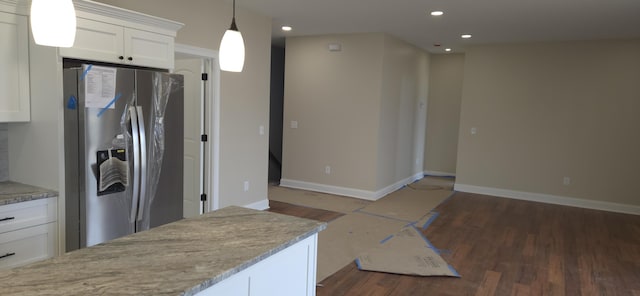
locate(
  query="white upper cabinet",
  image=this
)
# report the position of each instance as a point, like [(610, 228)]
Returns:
[(14, 72), (109, 34)]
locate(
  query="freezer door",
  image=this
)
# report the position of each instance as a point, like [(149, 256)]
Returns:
[(164, 120), (103, 215)]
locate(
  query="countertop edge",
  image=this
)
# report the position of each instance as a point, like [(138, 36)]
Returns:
[(15, 192)]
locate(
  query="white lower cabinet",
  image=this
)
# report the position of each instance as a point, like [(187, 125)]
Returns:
[(28, 245), (290, 272), (28, 232)]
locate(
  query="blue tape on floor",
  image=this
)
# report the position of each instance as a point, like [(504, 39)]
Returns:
[(358, 264), (433, 218), (455, 273), (427, 241), (386, 239)]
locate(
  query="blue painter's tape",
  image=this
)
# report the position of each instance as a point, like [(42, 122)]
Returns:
[(358, 264), (386, 239), (84, 73), (455, 273), (72, 103), (109, 105), (433, 218), (427, 241)]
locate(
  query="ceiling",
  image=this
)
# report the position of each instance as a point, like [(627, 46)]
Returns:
[(489, 21)]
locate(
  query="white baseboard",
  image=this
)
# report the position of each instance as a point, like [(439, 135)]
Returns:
[(259, 205), (439, 174), (551, 199), (351, 192)]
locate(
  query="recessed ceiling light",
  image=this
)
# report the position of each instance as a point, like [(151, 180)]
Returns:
[(447, 49), (465, 36), (286, 28), (437, 13)]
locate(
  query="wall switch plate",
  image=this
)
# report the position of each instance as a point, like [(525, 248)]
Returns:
[(474, 130), (294, 124), (261, 130), (566, 181), (327, 170), (246, 186)]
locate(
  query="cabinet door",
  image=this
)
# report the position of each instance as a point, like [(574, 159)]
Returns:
[(27, 245), (148, 49), (290, 272), (96, 41), (14, 72), (26, 214)]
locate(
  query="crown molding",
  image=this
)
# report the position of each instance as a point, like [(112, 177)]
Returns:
[(91, 7), (15, 6)]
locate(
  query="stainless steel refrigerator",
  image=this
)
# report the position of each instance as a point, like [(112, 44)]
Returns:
[(123, 152)]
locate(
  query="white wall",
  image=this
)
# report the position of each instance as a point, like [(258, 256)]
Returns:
[(34, 154), (244, 105), (552, 110), (357, 111), (335, 98), (443, 117), (402, 115)]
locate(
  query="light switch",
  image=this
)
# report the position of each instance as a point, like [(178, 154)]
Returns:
[(294, 124), (262, 130), (474, 130)]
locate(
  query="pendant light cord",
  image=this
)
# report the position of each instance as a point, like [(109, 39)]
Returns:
[(233, 20)]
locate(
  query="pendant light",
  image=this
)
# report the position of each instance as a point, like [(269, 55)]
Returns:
[(53, 22), (232, 47)]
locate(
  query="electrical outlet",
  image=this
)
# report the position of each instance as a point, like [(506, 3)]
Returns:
[(246, 186), (566, 181), (327, 170)]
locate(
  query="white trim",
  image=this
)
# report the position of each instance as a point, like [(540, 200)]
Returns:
[(551, 199), (439, 174), (195, 51), (259, 205), (15, 6), (213, 116), (351, 192), (90, 9)]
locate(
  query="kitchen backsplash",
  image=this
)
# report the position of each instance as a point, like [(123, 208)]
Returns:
[(4, 152)]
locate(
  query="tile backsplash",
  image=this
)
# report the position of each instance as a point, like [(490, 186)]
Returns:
[(4, 152)]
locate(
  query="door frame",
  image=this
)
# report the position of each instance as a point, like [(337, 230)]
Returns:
[(212, 118)]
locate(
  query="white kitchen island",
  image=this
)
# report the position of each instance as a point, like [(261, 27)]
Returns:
[(232, 251)]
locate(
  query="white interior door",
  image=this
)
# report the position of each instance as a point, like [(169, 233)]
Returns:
[(193, 94)]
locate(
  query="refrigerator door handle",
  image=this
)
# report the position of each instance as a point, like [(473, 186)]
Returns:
[(136, 163), (143, 161)]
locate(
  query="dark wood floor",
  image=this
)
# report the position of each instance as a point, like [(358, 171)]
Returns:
[(509, 247)]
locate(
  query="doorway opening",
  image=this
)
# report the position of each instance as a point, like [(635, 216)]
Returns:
[(201, 127)]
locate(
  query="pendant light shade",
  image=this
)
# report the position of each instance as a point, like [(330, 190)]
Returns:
[(53, 22), (232, 47)]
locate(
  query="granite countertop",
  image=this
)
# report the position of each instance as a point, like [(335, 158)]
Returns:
[(180, 258), (14, 192)]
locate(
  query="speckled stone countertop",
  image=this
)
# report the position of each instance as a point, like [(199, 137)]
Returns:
[(180, 258), (14, 192)]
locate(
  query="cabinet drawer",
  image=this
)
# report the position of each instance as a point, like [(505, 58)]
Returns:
[(27, 245), (28, 213)]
